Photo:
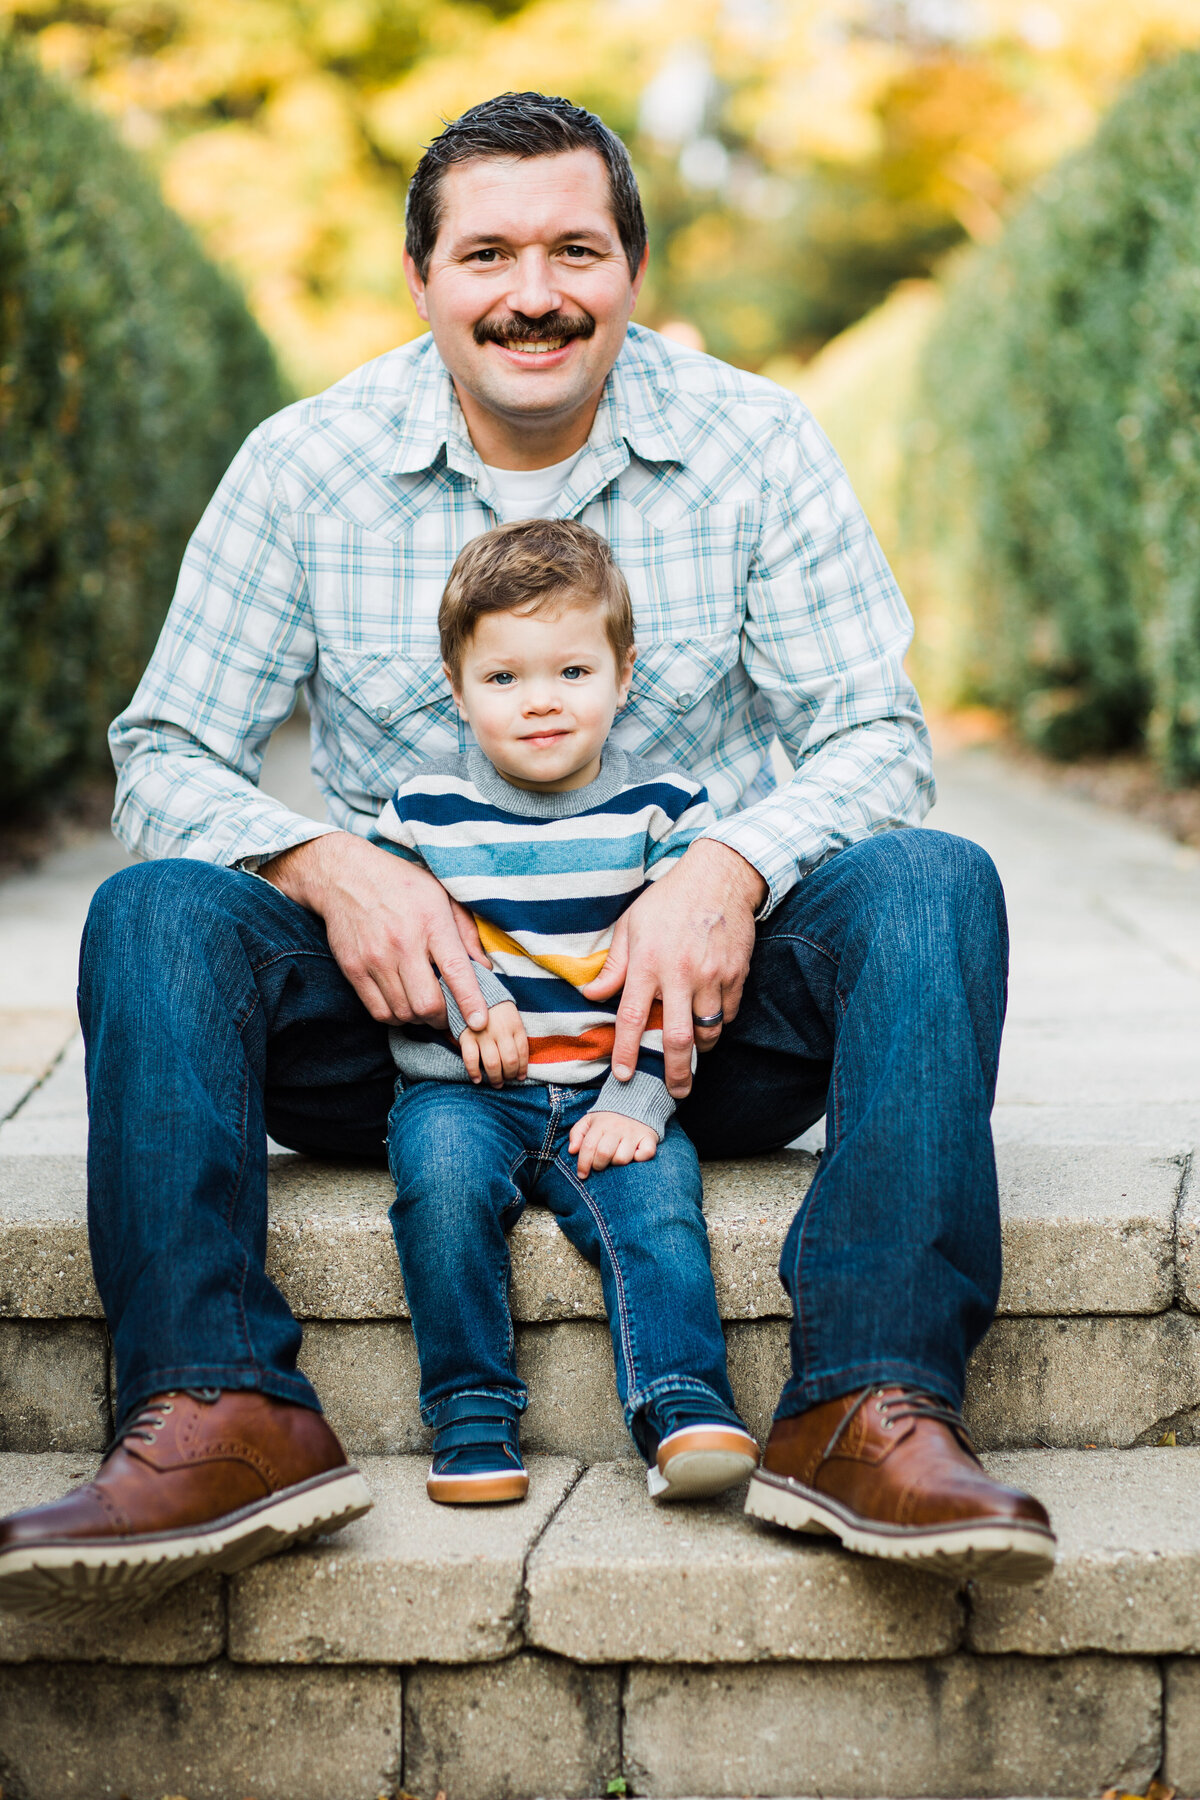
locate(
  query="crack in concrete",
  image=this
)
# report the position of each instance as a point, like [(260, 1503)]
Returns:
[(520, 1614), (41, 1081)]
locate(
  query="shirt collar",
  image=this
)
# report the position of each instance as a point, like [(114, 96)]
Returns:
[(630, 417)]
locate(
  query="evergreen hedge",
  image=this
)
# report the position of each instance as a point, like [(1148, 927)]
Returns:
[(130, 370), (1059, 445)]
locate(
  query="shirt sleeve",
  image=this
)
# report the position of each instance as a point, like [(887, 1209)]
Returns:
[(237, 644), (394, 830), (824, 640), (490, 986), (667, 838), (644, 1097)]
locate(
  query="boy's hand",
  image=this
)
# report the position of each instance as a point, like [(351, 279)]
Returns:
[(501, 1051), (601, 1138)]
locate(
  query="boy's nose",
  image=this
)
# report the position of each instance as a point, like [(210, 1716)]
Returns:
[(543, 703)]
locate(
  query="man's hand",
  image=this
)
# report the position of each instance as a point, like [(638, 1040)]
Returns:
[(687, 941), (500, 1050), (601, 1138), (388, 922)]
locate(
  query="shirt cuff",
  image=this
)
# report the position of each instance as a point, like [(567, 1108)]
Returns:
[(252, 864), (643, 1097), (490, 986)]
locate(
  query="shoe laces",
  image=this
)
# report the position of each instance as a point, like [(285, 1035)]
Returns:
[(149, 1420), (678, 1411), (905, 1403)]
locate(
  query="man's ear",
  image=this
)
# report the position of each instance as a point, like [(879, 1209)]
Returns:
[(416, 287), (638, 278), (455, 690), (625, 677)]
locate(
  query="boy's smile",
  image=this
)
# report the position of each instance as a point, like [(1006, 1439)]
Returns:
[(540, 692)]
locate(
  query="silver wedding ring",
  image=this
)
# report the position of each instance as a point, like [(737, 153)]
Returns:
[(709, 1019)]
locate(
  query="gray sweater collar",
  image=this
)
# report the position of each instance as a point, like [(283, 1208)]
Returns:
[(526, 805)]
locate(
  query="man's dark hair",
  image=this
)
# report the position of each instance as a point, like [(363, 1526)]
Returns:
[(522, 125)]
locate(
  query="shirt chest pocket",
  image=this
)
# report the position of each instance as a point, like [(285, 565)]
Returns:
[(674, 676), (385, 711)]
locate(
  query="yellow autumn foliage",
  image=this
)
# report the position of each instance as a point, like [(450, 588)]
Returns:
[(798, 158)]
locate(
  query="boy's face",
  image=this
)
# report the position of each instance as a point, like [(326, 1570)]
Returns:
[(540, 692)]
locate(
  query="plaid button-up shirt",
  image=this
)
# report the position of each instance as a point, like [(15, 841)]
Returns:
[(763, 607)]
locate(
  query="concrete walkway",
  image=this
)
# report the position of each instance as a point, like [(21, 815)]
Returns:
[(1103, 1038)]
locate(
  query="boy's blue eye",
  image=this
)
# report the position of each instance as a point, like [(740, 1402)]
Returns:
[(502, 678), (573, 673)]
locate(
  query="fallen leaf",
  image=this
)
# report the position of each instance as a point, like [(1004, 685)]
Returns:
[(1158, 1790), (1165, 1442)]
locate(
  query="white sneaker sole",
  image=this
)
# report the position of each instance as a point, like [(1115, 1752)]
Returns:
[(103, 1577), (700, 1461), (976, 1549)]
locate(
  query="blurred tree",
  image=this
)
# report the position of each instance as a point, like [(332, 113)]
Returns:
[(798, 156), (130, 371), (1061, 396)]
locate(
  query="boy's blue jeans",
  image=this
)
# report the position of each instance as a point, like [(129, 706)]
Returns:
[(465, 1161), (213, 1013)]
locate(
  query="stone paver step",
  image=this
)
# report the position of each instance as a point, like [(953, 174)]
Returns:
[(547, 1648), (1098, 1341), (1087, 1230), (590, 1568)]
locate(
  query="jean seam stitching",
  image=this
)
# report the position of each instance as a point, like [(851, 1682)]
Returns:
[(627, 1350), (802, 1327), (798, 937), (241, 1287), (543, 1154)]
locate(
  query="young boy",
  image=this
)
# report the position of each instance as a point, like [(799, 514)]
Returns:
[(548, 832)]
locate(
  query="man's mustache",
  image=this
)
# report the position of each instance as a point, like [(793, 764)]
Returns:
[(518, 329)]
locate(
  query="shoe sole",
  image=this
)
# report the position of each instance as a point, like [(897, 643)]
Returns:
[(476, 1490), (976, 1549), (88, 1580), (700, 1461)]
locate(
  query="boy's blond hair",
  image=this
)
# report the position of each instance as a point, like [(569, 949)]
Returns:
[(532, 566)]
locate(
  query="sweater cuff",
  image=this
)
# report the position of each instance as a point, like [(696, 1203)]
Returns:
[(643, 1097), (490, 986)]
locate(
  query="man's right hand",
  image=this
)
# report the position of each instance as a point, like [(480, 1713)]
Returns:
[(389, 923)]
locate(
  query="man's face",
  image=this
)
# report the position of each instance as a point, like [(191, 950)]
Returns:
[(528, 291)]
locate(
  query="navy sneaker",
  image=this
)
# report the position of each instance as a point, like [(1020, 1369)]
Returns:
[(704, 1449), (477, 1459)]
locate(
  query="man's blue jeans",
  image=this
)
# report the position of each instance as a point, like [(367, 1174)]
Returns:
[(213, 1013), (465, 1161)]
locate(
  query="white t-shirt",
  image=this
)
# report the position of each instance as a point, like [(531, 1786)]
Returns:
[(530, 493)]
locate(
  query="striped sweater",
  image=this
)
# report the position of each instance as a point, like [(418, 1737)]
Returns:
[(547, 876)]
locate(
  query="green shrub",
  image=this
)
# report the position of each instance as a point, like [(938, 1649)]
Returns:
[(130, 370), (1058, 449)]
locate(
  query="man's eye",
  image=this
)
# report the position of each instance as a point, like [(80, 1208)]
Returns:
[(577, 251), (484, 256)]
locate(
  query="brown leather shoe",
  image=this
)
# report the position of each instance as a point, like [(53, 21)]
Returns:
[(891, 1472), (198, 1479)]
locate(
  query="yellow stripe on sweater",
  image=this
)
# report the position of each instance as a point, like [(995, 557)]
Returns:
[(578, 970)]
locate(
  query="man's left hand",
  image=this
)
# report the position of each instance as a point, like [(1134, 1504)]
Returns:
[(687, 941)]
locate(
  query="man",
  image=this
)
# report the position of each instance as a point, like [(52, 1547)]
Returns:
[(822, 959)]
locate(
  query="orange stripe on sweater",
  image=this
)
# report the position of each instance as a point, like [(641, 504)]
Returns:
[(593, 1045)]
